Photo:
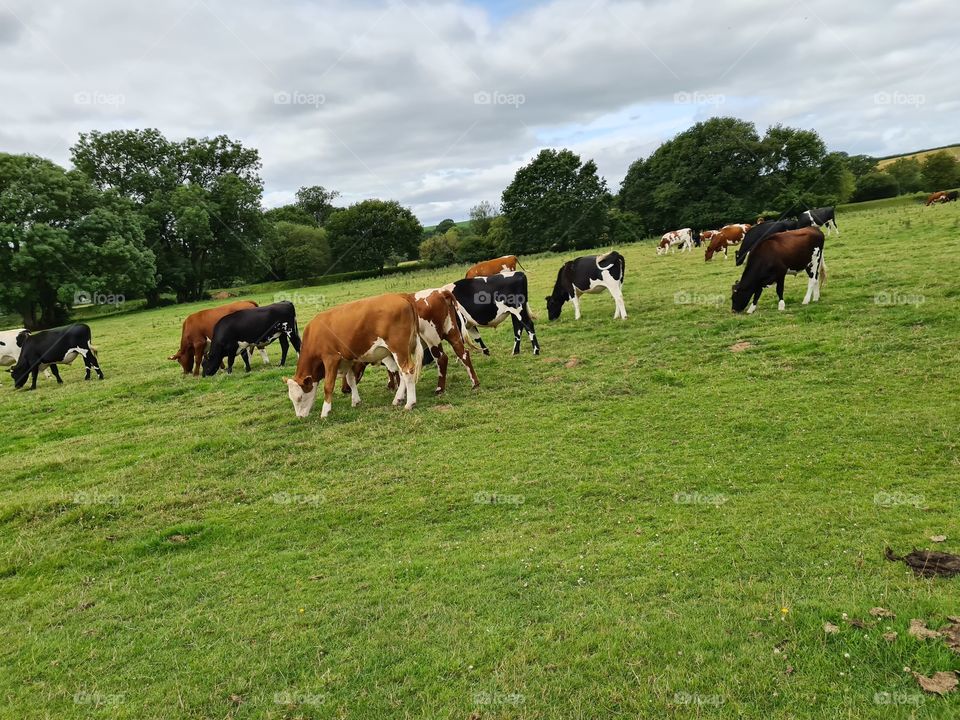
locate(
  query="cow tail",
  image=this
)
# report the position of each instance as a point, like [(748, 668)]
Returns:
[(417, 353), (521, 266), (94, 350), (823, 270)]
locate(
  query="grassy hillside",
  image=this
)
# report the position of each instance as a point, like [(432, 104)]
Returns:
[(654, 518), (919, 155)]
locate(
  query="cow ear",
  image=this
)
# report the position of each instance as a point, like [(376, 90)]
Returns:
[(286, 380), (307, 384)]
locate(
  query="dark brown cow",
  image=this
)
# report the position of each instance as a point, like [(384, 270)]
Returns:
[(776, 255), (198, 329), (723, 238), (492, 267), (439, 320), (382, 328)]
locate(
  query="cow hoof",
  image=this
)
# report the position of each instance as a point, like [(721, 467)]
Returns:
[(355, 403), (438, 391), (486, 351), (409, 407)]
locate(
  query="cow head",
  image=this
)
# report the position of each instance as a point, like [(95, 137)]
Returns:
[(554, 306), (22, 337), (740, 297), (303, 395), (20, 373)]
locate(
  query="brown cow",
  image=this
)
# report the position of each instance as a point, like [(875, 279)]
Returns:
[(937, 197), (492, 267), (439, 320), (197, 331), (382, 328), (723, 238)]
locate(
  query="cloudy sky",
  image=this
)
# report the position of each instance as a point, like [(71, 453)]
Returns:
[(436, 103)]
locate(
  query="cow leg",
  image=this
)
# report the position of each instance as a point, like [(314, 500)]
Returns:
[(196, 359), (441, 358), (812, 275), (357, 369), (90, 360), (780, 305), (392, 366), (263, 354), (756, 301), (231, 358), (576, 304), (56, 373), (33, 377), (616, 291), (330, 368), (527, 322), (284, 348), (818, 277), (456, 342), (475, 336), (517, 333), (351, 380)]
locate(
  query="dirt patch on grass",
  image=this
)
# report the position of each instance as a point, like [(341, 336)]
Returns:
[(741, 346)]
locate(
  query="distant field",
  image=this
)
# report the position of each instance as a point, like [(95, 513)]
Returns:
[(920, 155), (673, 520)]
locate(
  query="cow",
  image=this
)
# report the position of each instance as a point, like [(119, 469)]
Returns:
[(820, 217), (243, 329), (723, 238), (49, 348), (197, 332), (943, 196), (759, 232), (383, 328), (669, 241), (589, 274), (492, 267), (791, 251), (9, 350), (439, 319), (487, 301)]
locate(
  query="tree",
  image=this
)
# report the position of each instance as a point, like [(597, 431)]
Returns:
[(289, 213), (859, 165), (792, 170), (443, 226), (874, 186), (624, 226), (941, 171), (438, 250), (60, 237), (199, 200), (316, 201), (556, 201), (482, 216), (296, 252), (366, 235), (908, 173)]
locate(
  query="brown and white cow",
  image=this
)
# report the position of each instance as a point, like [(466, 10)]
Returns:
[(382, 328), (492, 267), (682, 238), (197, 331), (944, 196), (440, 320), (723, 238)]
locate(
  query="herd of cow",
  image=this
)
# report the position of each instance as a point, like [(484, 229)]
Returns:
[(404, 331)]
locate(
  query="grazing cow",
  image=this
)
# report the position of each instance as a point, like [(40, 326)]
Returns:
[(9, 350), (669, 241), (198, 330), (820, 217), (382, 328), (589, 274), (243, 329), (492, 267), (723, 238), (487, 301), (952, 196), (791, 251), (50, 348), (439, 319), (759, 232), (943, 196)]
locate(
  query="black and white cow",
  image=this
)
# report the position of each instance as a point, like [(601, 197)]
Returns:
[(487, 301), (245, 329), (761, 231), (823, 217), (781, 254), (589, 274), (49, 348)]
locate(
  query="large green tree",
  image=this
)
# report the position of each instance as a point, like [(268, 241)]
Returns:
[(317, 202), (941, 171), (557, 201), (908, 172), (61, 237), (199, 200), (295, 251), (369, 234)]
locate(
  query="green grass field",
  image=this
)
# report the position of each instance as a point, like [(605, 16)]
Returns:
[(673, 522)]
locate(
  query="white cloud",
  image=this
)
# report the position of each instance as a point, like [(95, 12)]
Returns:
[(381, 95)]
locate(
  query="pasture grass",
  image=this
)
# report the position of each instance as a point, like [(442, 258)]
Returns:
[(672, 522)]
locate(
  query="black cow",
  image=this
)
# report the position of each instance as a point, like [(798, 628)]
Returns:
[(791, 252), (49, 348), (760, 232), (589, 274), (952, 196), (487, 301), (243, 329), (821, 217)]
